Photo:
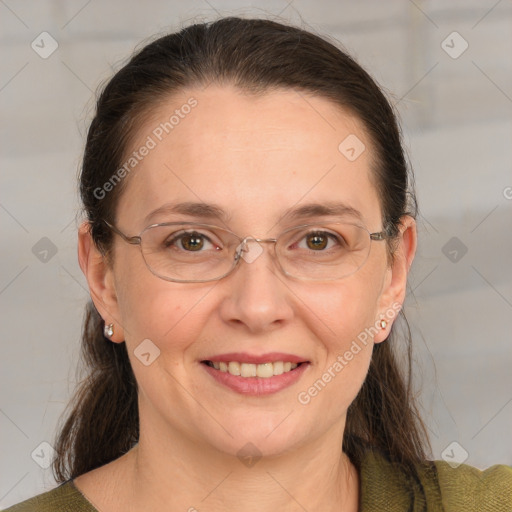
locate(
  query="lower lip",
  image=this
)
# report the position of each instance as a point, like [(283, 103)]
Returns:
[(257, 386)]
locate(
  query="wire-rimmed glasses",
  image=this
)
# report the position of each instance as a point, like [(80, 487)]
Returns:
[(190, 252)]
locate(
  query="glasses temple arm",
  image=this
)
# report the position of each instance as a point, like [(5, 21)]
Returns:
[(134, 240)]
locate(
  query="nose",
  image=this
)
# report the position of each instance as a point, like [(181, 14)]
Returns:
[(257, 296)]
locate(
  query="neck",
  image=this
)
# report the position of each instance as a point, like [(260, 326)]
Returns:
[(188, 476)]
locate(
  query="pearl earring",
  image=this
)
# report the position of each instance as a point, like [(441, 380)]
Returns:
[(383, 323), (108, 330)]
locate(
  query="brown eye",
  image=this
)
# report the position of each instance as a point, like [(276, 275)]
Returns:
[(320, 241), (317, 241), (192, 242), (188, 241)]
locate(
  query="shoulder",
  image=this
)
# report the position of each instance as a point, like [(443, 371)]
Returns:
[(433, 485), (467, 488), (65, 498)]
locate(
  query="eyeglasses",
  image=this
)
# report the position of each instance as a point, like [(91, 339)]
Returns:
[(187, 252)]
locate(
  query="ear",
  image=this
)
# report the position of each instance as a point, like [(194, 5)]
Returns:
[(100, 278), (395, 282)]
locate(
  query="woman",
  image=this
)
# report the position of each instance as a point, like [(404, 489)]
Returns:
[(250, 227)]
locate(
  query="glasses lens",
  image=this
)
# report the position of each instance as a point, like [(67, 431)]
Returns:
[(330, 251), (188, 252), (200, 252)]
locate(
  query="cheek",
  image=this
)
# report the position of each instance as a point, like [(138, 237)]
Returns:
[(342, 321), (166, 316), (152, 308), (342, 310), (172, 320)]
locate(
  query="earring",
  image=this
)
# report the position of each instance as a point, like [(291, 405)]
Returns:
[(383, 323), (108, 330)]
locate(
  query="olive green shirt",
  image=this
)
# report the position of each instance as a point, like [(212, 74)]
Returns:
[(384, 488)]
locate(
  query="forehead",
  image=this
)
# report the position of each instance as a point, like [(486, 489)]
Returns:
[(254, 156)]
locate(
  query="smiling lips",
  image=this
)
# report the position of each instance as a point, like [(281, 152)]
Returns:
[(252, 384), (263, 370), (247, 366)]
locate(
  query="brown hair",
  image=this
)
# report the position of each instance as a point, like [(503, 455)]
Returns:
[(256, 56)]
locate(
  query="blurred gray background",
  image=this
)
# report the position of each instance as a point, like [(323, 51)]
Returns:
[(448, 66)]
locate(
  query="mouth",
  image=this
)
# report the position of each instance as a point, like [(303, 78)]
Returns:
[(247, 370), (256, 374)]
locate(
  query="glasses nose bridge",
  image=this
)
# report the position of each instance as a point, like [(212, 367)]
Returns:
[(242, 246), (261, 240), (244, 241)]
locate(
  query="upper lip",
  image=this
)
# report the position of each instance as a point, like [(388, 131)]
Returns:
[(243, 357)]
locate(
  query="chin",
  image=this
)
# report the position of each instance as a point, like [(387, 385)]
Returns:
[(253, 438)]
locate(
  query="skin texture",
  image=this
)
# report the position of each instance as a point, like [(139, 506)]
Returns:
[(255, 157)]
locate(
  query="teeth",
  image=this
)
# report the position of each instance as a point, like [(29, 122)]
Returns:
[(264, 370), (248, 370), (278, 367), (234, 368)]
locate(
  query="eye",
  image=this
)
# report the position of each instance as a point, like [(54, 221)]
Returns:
[(190, 241), (318, 240)]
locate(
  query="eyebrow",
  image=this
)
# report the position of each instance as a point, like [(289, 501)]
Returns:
[(200, 210), (326, 209), (213, 211)]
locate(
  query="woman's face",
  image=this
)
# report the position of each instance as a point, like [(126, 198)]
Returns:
[(255, 158)]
